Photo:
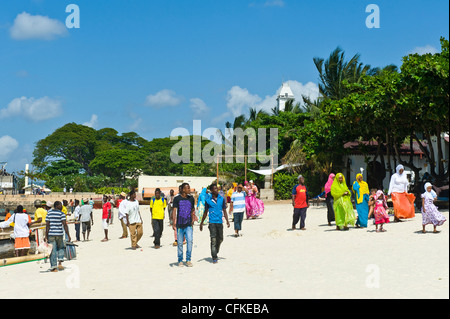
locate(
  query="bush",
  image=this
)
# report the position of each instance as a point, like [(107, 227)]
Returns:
[(283, 184), (108, 190)]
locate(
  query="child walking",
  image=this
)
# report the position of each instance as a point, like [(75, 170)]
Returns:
[(380, 211), (430, 213), (373, 193)]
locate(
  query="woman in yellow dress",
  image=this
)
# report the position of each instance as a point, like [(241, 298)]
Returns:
[(343, 207)]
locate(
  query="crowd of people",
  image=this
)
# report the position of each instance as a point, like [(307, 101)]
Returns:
[(368, 203), (183, 213), (214, 207)]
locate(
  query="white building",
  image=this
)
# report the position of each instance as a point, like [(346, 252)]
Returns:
[(355, 160), (164, 182), (284, 96)]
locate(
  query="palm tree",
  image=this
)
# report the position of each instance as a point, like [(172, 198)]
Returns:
[(334, 71), (289, 107), (254, 114)]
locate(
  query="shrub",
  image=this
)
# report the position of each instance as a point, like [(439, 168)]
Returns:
[(283, 184)]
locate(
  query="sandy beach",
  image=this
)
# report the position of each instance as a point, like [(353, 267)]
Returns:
[(269, 261)]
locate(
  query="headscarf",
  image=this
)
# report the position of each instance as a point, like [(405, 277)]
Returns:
[(399, 167), (378, 194), (338, 189), (397, 180), (202, 197), (429, 194), (360, 188), (329, 182)]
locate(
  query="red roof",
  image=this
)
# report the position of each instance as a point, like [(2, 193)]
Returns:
[(371, 147)]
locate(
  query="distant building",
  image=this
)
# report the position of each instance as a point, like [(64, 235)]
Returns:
[(8, 184), (284, 96), (149, 183)]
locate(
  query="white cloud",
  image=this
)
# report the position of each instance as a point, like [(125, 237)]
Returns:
[(22, 74), (268, 3), (33, 109), (92, 122), (309, 89), (274, 3), (199, 107), (27, 26), (7, 146), (221, 118), (163, 98), (240, 100), (137, 120), (424, 50)]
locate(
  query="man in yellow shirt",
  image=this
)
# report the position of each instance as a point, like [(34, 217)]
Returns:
[(65, 204), (39, 218), (157, 206), (41, 212)]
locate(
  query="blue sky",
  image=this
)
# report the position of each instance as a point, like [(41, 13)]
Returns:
[(153, 66)]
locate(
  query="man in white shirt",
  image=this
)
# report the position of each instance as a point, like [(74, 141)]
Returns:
[(76, 215), (122, 205), (134, 220), (86, 219)]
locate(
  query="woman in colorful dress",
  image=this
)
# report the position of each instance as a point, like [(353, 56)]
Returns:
[(201, 206), (380, 211), (21, 222), (254, 206), (343, 207), (329, 198), (398, 190), (430, 213), (361, 190)]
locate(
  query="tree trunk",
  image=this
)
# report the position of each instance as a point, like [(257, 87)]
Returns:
[(388, 152), (432, 157), (440, 153)]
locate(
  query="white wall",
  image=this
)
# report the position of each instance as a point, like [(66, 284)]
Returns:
[(174, 181), (358, 161)]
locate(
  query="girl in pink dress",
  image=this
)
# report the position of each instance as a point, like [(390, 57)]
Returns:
[(254, 206), (430, 213), (380, 211)]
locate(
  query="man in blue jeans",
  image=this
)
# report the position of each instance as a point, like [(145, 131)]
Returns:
[(183, 219), (217, 208), (54, 235)]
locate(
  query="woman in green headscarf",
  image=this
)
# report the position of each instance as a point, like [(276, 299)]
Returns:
[(343, 207), (361, 190)]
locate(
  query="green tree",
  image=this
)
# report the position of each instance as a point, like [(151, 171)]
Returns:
[(71, 142), (63, 168)]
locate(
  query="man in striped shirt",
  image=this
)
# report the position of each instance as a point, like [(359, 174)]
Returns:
[(237, 206), (54, 235)]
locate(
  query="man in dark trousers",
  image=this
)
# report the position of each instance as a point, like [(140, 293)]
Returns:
[(216, 206), (300, 202)]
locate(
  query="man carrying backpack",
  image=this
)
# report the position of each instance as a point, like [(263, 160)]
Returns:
[(157, 206)]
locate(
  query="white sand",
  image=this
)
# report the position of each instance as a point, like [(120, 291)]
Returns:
[(269, 261)]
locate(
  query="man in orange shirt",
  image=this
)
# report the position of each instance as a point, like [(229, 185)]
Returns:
[(300, 202)]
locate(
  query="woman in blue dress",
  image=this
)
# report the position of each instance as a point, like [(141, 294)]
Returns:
[(361, 191)]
